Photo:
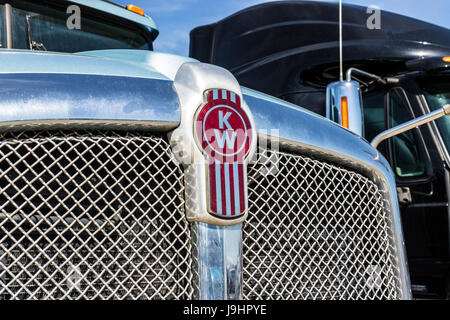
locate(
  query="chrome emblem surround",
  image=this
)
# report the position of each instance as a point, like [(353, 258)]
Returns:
[(214, 142)]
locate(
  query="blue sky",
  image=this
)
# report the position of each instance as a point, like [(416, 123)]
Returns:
[(176, 18)]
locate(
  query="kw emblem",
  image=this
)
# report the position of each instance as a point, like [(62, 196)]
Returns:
[(224, 134)]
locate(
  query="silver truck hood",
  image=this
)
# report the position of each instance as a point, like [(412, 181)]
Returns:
[(112, 86)]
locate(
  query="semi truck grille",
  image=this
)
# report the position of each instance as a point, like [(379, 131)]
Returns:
[(100, 215), (316, 231), (92, 215)]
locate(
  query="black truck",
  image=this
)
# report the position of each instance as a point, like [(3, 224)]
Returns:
[(290, 50)]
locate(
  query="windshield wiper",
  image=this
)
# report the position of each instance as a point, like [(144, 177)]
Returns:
[(33, 45)]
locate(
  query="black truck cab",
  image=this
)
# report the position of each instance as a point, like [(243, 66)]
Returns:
[(290, 49), (420, 161)]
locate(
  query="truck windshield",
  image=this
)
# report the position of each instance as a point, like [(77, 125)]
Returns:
[(437, 93), (40, 26)]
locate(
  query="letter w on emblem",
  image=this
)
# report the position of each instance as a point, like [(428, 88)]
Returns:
[(225, 138)]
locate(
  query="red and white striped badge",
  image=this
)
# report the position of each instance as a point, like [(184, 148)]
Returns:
[(224, 133)]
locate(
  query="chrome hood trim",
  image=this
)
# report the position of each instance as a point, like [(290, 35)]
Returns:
[(110, 88), (36, 100), (293, 123)]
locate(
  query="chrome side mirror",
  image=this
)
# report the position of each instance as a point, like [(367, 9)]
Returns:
[(344, 105)]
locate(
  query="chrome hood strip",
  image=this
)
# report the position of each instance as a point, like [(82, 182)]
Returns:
[(43, 99), (291, 122)]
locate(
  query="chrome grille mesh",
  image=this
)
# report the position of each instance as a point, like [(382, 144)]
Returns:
[(316, 231), (87, 215), (100, 215)]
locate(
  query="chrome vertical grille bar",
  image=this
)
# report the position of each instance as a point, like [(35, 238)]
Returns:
[(218, 252)]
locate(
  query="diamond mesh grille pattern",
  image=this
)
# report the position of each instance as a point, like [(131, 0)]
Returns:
[(316, 231), (86, 215)]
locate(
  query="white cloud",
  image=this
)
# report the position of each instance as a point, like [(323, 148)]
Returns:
[(174, 41)]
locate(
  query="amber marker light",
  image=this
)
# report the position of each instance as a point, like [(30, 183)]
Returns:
[(344, 112), (446, 59), (135, 9)]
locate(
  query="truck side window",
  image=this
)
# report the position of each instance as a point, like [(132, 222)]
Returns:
[(46, 26), (406, 155), (375, 117)]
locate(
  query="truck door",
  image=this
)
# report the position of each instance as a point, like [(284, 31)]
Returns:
[(406, 152), (424, 221)]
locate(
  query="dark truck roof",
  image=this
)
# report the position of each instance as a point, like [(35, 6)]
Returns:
[(286, 46)]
